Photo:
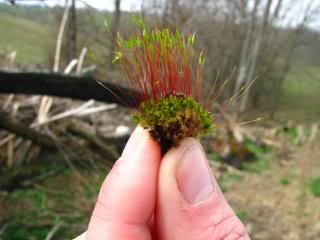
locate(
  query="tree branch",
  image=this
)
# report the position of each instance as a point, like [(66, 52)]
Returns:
[(26, 132), (70, 86)]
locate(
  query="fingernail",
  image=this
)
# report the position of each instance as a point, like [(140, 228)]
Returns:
[(132, 142), (194, 176)]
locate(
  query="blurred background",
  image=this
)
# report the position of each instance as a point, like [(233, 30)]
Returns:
[(61, 131)]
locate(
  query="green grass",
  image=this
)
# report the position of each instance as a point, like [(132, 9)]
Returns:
[(34, 37), (302, 80), (315, 186), (285, 181), (262, 153), (38, 199), (242, 215), (228, 179), (32, 212), (214, 157), (257, 166), (31, 40), (300, 96), (18, 232)]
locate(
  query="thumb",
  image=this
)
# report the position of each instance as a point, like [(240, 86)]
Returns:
[(127, 197), (190, 204)]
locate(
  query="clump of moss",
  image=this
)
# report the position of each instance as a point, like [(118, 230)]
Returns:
[(173, 118), (166, 72)]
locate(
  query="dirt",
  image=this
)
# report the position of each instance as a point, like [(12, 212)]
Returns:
[(278, 203), (274, 200)]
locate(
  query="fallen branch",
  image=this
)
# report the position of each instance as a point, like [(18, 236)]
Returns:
[(62, 85), (108, 150), (6, 139), (25, 132)]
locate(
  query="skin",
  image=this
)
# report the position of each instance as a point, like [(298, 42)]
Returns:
[(146, 196)]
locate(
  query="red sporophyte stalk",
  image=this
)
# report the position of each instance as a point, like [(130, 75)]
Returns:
[(160, 67), (160, 63)]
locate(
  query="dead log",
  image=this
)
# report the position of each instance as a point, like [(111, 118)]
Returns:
[(25, 132), (109, 151), (62, 85)]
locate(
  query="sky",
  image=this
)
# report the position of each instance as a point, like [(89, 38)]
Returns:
[(135, 5), (126, 5)]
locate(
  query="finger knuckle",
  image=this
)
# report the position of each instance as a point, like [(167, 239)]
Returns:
[(229, 228)]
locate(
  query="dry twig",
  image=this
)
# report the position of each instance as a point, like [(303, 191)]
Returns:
[(54, 230)]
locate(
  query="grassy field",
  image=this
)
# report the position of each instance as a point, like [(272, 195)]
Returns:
[(35, 39), (299, 99), (31, 40), (300, 96)]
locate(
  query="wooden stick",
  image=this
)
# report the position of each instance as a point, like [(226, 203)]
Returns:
[(26, 132), (53, 231), (59, 37)]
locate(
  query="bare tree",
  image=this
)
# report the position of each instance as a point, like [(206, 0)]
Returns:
[(311, 10), (115, 27), (46, 101), (255, 53), (244, 61), (72, 33)]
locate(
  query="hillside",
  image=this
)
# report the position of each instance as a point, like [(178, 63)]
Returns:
[(32, 30), (30, 39)]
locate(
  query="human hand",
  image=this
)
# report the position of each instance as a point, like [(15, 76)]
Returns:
[(145, 197)]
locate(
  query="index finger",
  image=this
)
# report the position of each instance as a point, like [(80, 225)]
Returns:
[(126, 201)]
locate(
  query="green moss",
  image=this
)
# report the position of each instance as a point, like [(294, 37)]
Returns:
[(168, 110), (172, 118)]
